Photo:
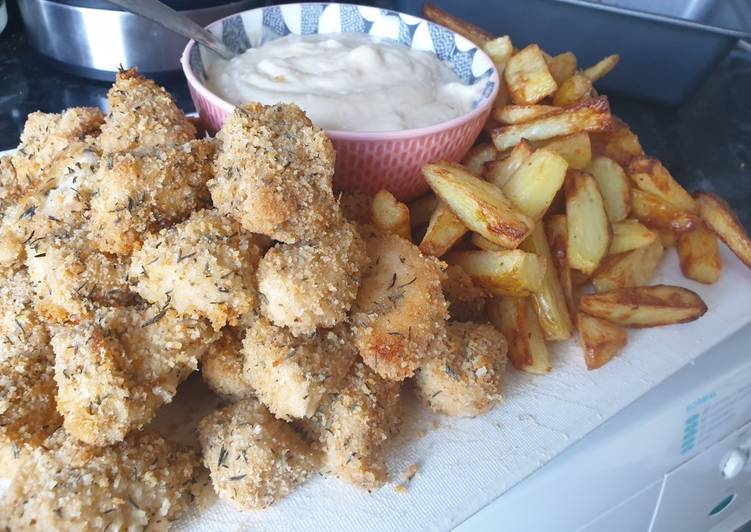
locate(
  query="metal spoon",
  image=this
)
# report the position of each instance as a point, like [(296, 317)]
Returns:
[(172, 20)]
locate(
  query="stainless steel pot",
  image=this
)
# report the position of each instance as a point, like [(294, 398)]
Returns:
[(93, 38)]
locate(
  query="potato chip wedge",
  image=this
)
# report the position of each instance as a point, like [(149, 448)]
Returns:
[(549, 303), (699, 255), (629, 235), (618, 143), (556, 231), (588, 227), (654, 212), (421, 209), (575, 148), (614, 186), (562, 66), (499, 50), (476, 158), (516, 114), (480, 205), (499, 171), (720, 218), (533, 186), (483, 243), (651, 176), (444, 230), (645, 306), (575, 89), (516, 319), (390, 215), (631, 268), (600, 69), (510, 272), (592, 115), (466, 29), (527, 76), (600, 339)]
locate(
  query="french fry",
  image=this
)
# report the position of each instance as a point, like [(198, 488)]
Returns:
[(575, 148), (533, 186), (510, 272), (699, 255), (629, 235), (651, 176), (480, 205), (588, 227), (421, 209), (562, 66), (499, 50), (444, 230), (483, 243), (645, 306), (619, 143), (556, 231), (600, 69), (592, 115), (515, 318), (720, 218), (466, 29), (549, 303), (600, 339), (574, 90), (527, 76), (667, 237), (516, 114), (390, 215), (476, 158), (654, 212), (614, 186), (631, 268), (499, 171)]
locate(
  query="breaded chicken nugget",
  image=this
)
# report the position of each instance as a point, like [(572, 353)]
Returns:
[(114, 371), (355, 206), (400, 309), (203, 268), (222, 366), (254, 458), (141, 192), (352, 427), (465, 378), (290, 374), (45, 136), (313, 284), (142, 115), (273, 173), (9, 187), (142, 483), (466, 299)]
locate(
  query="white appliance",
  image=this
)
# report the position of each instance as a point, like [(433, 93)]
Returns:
[(675, 460)]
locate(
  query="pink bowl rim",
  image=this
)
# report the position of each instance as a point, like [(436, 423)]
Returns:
[(337, 134)]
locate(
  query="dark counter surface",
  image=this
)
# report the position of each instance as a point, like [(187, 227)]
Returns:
[(706, 143)]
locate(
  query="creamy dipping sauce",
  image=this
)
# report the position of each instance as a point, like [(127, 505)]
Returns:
[(350, 81)]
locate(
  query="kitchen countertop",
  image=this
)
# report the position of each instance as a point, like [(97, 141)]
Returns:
[(706, 143)]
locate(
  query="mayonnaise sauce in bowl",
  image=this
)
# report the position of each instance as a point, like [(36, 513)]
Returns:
[(347, 82)]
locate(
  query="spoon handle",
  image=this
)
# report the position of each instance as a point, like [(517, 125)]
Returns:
[(172, 20)]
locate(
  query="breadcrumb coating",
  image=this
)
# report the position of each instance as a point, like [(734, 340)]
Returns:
[(142, 192), (352, 428), (466, 298), (113, 372), (313, 284), (141, 483), (290, 374), (400, 309), (254, 458), (355, 206), (273, 173), (465, 378), (10, 189), (142, 115), (202, 268), (222, 366)]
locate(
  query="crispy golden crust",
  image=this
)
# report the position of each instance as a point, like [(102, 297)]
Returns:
[(254, 458), (141, 483), (203, 268), (141, 192), (400, 309), (273, 173), (465, 377), (10, 189), (290, 374), (222, 366), (466, 299), (308, 285), (142, 115), (352, 427), (355, 206), (114, 371)]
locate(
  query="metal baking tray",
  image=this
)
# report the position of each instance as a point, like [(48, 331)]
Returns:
[(667, 47)]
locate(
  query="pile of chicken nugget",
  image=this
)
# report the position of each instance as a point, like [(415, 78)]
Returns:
[(134, 253)]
